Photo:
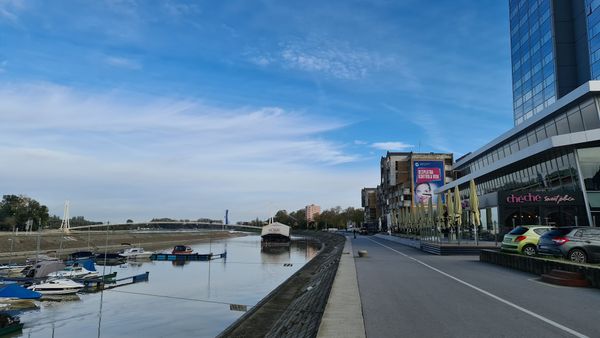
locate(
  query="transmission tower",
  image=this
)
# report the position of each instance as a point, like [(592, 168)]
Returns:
[(65, 225)]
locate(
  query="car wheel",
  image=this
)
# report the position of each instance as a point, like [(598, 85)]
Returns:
[(529, 250), (577, 256)]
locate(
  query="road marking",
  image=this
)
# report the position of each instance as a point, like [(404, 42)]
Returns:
[(531, 313)]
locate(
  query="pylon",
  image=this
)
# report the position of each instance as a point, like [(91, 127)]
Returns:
[(65, 225)]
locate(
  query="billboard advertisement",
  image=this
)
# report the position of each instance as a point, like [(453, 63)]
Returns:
[(427, 176)]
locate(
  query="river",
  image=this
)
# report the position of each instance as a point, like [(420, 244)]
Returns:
[(191, 300)]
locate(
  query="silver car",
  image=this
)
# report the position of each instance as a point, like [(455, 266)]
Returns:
[(580, 245)]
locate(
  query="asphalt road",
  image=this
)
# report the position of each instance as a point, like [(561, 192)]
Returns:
[(408, 293)]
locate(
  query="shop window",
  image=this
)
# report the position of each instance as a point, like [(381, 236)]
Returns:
[(589, 162)]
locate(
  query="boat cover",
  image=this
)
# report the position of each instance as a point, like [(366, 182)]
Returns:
[(17, 291), (276, 228)]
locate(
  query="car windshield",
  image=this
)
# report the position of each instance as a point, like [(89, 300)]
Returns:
[(518, 231)]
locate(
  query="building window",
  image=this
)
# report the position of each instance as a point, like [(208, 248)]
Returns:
[(575, 121), (590, 116), (562, 125), (551, 128)]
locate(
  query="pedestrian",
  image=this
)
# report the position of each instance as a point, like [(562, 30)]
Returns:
[(354, 232)]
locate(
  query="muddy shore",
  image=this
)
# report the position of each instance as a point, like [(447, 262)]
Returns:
[(56, 243)]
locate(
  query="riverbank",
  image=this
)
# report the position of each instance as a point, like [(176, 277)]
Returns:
[(295, 308), (18, 247)]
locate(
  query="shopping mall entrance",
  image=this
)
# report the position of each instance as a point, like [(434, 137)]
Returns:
[(563, 208)]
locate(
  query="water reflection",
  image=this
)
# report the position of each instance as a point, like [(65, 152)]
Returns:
[(192, 300)]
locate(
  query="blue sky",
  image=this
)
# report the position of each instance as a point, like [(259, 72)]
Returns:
[(141, 109)]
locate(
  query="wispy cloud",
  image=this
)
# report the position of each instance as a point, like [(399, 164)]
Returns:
[(169, 148), (122, 62), (9, 10), (392, 146), (179, 9), (322, 56)]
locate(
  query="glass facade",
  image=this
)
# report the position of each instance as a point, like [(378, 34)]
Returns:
[(593, 24), (576, 118), (552, 174), (533, 58), (589, 162)]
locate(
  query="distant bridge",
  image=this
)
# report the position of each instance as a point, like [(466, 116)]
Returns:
[(162, 223)]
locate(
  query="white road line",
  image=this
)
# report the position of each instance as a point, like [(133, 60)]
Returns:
[(531, 313)]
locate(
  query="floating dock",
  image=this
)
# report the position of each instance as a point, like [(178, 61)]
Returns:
[(186, 257)]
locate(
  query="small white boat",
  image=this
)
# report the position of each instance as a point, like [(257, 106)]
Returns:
[(136, 253), (74, 272), (57, 287)]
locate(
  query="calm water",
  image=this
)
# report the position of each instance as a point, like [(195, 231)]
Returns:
[(184, 301)]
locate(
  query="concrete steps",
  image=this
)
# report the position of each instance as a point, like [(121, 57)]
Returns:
[(566, 278)]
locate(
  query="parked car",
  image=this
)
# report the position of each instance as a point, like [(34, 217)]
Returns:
[(578, 244), (524, 239)]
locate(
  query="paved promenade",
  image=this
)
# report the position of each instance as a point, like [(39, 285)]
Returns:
[(407, 293), (343, 314)]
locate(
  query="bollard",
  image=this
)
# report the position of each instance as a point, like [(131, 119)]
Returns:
[(362, 253)]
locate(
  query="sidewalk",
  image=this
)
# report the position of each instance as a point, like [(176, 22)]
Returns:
[(343, 315)]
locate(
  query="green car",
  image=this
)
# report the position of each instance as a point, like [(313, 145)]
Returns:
[(524, 239)]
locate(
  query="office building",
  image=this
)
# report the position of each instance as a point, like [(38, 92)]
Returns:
[(546, 169)]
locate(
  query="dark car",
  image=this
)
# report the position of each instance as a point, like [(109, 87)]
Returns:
[(578, 244)]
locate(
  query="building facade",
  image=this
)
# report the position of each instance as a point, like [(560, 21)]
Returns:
[(555, 48), (369, 204), (545, 170), (312, 211), (407, 179)]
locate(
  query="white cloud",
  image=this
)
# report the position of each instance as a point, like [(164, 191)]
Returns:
[(360, 142), (400, 146), (119, 156), (177, 9), (122, 62), (328, 57)]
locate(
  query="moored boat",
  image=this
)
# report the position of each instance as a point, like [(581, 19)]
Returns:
[(15, 291), (9, 324), (136, 253), (57, 287), (182, 250), (275, 233), (109, 258), (74, 272), (79, 256)]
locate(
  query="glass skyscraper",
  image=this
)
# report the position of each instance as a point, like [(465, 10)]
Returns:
[(555, 48)]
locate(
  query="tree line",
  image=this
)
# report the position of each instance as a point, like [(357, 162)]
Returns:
[(331, 218), (22, 213)]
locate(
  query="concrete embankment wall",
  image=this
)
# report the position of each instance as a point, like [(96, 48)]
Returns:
[(25, 245), (295, 308), (540, 266)]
